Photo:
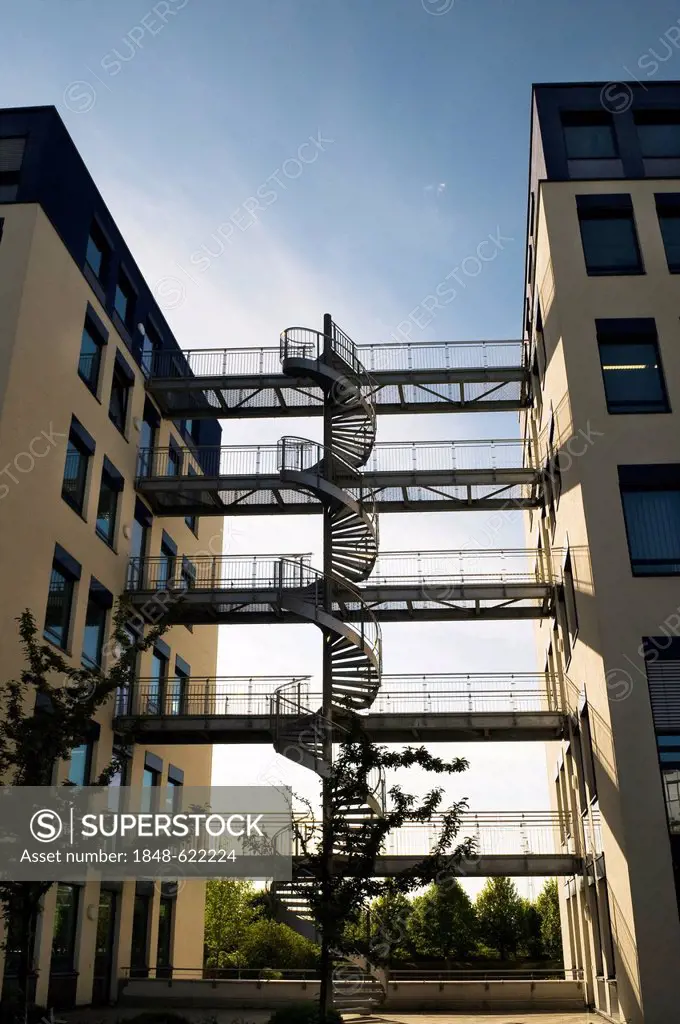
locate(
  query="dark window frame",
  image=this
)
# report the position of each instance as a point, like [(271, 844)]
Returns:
[(100, 599), (125, 288), (83, 450), (594, 209), (122, 383), (649, 479), (69, 571), (668, 210), (631, 332), (584, 119), (92, 331), (63, 962), (114, 483), (651, 118), (10, 177), (100, 244)]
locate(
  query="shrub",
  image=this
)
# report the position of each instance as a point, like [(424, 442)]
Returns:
[(303, 1013)]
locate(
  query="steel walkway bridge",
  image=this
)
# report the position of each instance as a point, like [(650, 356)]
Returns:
[(404, 586), (421, 708), (506, 843), (412, 377), (288, 477)]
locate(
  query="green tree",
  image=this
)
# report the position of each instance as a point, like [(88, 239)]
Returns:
[(548, 908), (46, 714), (229, 913), (343, 896), (273, 944), (500, 913), (531, 944), (444, 923)]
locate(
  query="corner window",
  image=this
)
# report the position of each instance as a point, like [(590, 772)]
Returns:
[(650, 496), (98, 253), (123, 380), (609, 236), (658, 133), (178, 689), (99, 601), (80, 764), (589, 135), (90, 358), (107, 508), (65, 928), (668, 212), (11, 159), (124, 300), (166, 566), (65, 573), (631, 366), (192, 521), (79, 451)]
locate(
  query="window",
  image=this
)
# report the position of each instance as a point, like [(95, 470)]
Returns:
[(99, 601), (123, 379), (151, 343), (668, 212), (174, 467), (98, 253), (157, 683), (188, 573), (589, 135), (65, 927), (650, 496), (80, 765), (79, 451), (173, 793), (146, 464), (164, 947), (192, 521), (90, 359), (11, 159), (177, 691), (658, 133), (631, 366), (151, 777), (139, 543), (166, 566), (65, 572), (609, 236), (140, 936), (124, 300), (107, 509)]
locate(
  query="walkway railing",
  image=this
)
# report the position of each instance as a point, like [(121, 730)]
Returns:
[(495, 833), (445, 355), (400, 695), (294, 453)]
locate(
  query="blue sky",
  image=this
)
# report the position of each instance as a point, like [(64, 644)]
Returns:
[(186, 109)]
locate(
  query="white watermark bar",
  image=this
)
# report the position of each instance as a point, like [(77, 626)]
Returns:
[(72, 834)]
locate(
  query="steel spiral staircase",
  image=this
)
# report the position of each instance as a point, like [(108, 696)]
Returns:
[(299, 731)]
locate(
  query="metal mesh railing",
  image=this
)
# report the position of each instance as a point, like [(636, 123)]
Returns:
[(432, 569), (523, 692), (494, 833), (304, 342), (301, 454)]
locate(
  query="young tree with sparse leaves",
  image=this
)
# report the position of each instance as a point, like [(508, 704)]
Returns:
[(342, 855), (44, 715)]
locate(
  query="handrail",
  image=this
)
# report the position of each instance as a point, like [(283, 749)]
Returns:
[(414, 356), (391, 456)]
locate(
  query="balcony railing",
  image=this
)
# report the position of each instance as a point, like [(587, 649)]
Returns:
[(300, 454), (495, 833), (502, 693), (409, 356)]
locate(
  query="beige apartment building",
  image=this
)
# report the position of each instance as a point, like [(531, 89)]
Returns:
[(77, 327), (602, 317)]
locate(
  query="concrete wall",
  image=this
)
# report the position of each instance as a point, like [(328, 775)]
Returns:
[(637, 903), (43, 301), (520, 996)]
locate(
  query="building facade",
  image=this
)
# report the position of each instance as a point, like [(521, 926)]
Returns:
[(77, 327), (601, 315)]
